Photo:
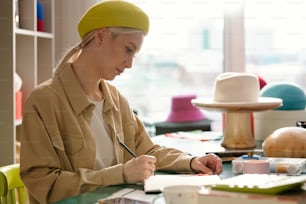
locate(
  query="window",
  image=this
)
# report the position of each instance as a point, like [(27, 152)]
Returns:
[(275, 35), (191, 42), (183, 53)]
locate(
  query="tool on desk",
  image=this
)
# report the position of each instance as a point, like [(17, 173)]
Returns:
[(256, 166), (230, 155), (127, 148), (289, 166)]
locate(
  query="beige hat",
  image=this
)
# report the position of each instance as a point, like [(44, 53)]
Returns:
[(237, 91)]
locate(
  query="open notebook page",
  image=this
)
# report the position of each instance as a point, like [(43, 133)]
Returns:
[(155, 183)]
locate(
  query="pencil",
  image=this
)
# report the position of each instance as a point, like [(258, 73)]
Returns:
[(127, 149), (130, 151)]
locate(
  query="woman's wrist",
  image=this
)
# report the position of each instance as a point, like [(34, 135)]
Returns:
[(190, 164)]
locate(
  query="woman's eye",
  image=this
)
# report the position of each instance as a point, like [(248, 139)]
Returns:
[(129, 50)]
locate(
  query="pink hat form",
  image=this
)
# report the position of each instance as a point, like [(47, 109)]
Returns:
[(182, 110)]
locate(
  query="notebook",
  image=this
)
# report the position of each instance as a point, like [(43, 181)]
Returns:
[(155, 183)]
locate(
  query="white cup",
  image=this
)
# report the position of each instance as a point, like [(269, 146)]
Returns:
[(181, 194)]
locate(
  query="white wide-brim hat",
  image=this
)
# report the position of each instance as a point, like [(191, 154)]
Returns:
[(235, 91)]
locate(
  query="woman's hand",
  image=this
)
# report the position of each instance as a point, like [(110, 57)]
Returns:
[(139, 169), (208, 164)]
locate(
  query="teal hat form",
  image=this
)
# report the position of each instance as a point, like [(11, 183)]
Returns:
[(292, 94)]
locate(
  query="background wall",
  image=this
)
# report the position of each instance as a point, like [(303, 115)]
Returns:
[(67, 15)]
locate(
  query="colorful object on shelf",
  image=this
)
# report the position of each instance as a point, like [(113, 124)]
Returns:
[(18, 105), (40, 17), (17, 82), (292, 95), (18, 96)]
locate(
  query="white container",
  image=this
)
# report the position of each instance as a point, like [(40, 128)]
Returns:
[(267, 121)]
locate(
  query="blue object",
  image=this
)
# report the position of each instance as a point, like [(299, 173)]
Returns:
[(40, 11), (292, 95), (250, 157)]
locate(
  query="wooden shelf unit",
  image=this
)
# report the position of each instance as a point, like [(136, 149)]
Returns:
[(28, 52)]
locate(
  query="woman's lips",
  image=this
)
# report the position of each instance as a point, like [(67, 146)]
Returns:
[(119, 70)]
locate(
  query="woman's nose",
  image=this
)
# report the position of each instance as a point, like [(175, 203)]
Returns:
[(128, 63)]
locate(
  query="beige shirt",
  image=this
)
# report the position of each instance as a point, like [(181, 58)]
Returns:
[(58, 149)]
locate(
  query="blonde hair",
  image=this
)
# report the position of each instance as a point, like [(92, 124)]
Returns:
[(75, 51)]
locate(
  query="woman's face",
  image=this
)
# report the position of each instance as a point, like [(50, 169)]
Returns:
[(115, 54)]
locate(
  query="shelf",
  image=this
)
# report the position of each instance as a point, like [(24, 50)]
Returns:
[(28, 52), (21, 31)]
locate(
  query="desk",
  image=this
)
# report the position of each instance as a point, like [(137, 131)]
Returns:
[(190, 146), (93, 196)]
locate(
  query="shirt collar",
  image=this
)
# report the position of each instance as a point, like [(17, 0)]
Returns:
[(73, 89), (76, 94)]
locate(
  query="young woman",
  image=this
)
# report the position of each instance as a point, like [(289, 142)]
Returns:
[(76, 126)]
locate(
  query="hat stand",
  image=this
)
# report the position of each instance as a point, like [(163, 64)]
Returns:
[(237, 133)]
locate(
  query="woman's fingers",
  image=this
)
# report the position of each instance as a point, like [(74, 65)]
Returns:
[(138, 169), (209, 164), (147, 164)]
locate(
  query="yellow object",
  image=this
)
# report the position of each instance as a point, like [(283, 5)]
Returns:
[(12, 189), (113, 13)]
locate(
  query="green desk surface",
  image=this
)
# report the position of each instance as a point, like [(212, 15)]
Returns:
[(93, 196)]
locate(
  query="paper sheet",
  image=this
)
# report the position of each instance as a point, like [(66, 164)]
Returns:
[(154, 184), (196, 135), (134, 196)]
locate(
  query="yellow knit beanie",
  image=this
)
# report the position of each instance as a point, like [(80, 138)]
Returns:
[(113, 13)]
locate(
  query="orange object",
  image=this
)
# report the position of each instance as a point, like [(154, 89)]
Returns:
[(18, 104)]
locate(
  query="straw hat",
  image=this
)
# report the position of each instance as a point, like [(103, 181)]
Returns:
[(235, 91)]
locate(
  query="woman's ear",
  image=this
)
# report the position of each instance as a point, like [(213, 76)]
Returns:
[(100, 36)]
